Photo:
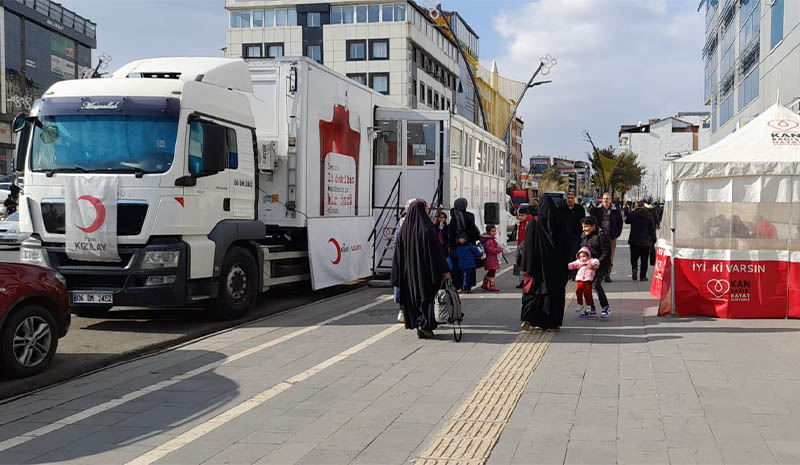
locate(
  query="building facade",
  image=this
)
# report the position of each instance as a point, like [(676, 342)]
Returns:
[(515, 177), (395, 48), (661, 139), (43, 42), (750, 57)]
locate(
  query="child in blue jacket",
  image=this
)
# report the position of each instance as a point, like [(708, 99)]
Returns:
[(466, 254)]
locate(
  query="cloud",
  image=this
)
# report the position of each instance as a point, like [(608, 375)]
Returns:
[(619, 61)]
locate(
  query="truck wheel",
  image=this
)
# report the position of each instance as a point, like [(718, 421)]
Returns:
[(91, 311), (28, 342), (238, 286)]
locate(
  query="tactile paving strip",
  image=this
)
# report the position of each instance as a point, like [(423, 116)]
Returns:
[(472, 433)]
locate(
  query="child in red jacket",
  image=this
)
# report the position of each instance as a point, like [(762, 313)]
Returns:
[(492, 261)]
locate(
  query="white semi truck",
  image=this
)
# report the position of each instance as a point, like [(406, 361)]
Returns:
[(227, 177)]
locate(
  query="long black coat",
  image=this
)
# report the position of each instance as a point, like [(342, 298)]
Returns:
[(643, 228), (573, 219)]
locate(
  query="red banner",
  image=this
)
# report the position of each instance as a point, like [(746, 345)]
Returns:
[(794, 290), (659, 285)]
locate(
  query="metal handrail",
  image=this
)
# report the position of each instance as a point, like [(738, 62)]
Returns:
[(386, 204), (384, 220)]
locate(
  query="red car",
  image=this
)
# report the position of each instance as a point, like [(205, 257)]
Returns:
[(34, 314)]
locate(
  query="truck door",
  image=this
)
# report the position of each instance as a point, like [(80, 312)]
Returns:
[(209, 199), (241, 165)]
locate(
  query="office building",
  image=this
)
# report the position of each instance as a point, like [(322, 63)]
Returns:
[(750, 56), (43, 42), (517, 127)]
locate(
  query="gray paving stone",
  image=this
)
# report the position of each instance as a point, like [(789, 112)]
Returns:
[(787, 452), (329, 456), (698, 455), (591, 452), (745, 452), (641, 452)]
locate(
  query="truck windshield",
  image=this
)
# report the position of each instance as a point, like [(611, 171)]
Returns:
[(104, 143)]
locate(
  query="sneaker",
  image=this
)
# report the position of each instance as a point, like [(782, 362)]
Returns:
[(634, 274), (525, 326), (586, 314), (643, 279), (604, 313), (593, 311)]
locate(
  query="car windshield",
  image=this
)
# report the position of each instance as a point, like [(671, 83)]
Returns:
[(13, 217), (104, 143)]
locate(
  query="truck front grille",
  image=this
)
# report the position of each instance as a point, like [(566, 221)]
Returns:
[(130, 217)]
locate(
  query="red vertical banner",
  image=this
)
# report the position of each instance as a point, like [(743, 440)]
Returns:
[(794, 290), (731, 289), (660, 284)]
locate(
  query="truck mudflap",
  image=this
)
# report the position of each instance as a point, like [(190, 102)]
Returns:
[(339, 249), (128, 282)]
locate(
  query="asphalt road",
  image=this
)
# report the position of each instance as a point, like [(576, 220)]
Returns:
[(125, 333)]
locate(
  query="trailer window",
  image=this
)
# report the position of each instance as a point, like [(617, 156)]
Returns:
[(455, 146), (386, 143), (421, 144)]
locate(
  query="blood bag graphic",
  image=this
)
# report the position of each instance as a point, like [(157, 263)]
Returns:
[(339, 147)]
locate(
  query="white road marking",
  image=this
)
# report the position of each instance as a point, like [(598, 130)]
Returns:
[(72, 419), (231, 414)]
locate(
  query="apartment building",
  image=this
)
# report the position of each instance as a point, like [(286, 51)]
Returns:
[(515, 178), (395, 48), (751, 57)]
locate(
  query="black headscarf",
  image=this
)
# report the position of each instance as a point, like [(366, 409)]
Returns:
[(462, 221), (546, 250), (418, 264)]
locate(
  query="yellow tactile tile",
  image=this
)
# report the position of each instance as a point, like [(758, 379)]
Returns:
[(475, 428)]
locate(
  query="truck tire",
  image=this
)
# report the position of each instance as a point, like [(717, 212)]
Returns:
[(91, 311), (238, 286), (28, 342)]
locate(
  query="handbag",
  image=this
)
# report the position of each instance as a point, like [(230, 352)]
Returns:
[(447, 307)]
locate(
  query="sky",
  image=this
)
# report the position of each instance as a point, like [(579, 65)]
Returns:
[(619, 61)]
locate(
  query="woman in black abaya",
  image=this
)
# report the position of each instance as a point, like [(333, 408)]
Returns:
[(545, 256), (462, 221), (418, 269)]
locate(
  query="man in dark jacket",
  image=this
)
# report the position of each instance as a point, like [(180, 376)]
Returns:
[(600, 246), (573, 213), (609, 220), (641, 238)]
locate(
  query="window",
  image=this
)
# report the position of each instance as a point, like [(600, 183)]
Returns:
[(292, 17), (436, 100), (776, 32), (361, 14), (421, 143), (336, 15), (360, 78), (356, 50), (251, 50), (280, 17), (374, 13), (347, 14), (196, 147), (313, 20), (422, 92), (470, 154), (258, 18), (245, 19), (400, 12), (275, 50), (414, 87), (269, 18), (726, 109), (388, 13), (448, 104), (749, 22), (233, 151), (379, 49), (430, 96), (379, 82), (387, 143), (748, 89), (455, 146), (236, 19), (314, 52)]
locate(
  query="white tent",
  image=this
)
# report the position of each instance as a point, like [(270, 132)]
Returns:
[(733, 210)]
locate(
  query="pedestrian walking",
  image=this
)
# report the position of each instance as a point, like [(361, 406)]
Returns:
[(462, 222), (524, 218), (394, 244), (585, 267), (465, 254), (442, 232), (573, 214), (600, 246), (418, 269), (641, 238), (609, 220), (492, 261), (544, 261)]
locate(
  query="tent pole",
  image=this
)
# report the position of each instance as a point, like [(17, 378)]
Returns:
[(673, 217), (789, 265)]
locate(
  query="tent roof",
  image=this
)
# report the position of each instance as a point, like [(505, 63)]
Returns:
[(769, 144)]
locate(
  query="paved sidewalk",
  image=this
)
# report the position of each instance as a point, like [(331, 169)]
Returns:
[(639, 389)]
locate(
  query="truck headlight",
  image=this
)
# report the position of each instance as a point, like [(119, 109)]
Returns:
[(160, 259), (32, 256)]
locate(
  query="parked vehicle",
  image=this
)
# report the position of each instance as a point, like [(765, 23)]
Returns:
[(232, 177), (34, 314), (9, 231)]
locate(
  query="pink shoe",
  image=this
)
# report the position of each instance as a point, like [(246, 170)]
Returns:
[(493, 289)]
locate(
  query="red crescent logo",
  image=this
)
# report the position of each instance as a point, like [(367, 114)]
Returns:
[(338, 251), (101, 214)]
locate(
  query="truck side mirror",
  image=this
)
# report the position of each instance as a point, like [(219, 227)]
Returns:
[(22, 148), (215, 150), (19, 122)]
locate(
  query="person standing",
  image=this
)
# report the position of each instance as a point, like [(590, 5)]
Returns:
[(641, 239), (462, 222), (573, 213), (465, 254), (609, 220), (492, 262), (524, 219), (442, 232), (544, 261), (534, 207), (418, 269), (600, 247)]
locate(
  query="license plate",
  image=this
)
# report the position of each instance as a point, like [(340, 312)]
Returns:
[(91, 298)]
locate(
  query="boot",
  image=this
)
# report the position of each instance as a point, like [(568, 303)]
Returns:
[(485, 285), (635, 272), (492, 286)]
